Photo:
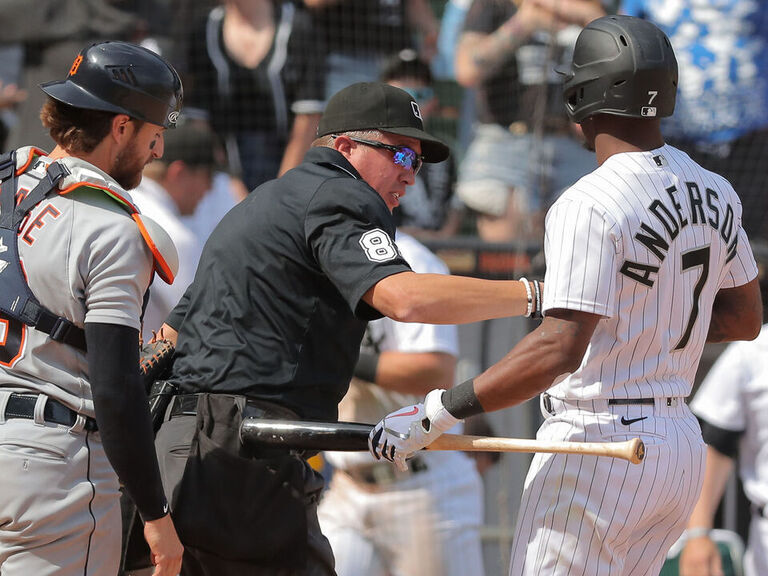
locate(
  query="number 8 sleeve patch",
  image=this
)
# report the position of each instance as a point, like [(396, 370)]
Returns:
[(378, 246)]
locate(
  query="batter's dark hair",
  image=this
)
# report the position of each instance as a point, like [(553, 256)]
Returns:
[(76, 129)]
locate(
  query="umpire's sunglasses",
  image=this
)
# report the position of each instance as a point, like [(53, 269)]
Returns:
[(403, 156)]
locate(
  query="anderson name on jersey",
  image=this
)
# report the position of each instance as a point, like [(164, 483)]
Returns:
[(654, 251)]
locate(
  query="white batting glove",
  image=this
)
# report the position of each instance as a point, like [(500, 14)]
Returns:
[(405, 431)]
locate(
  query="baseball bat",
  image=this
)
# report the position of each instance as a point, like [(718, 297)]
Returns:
[(352, 436)]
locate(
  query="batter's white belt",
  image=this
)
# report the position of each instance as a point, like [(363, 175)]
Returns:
[(662, 405)]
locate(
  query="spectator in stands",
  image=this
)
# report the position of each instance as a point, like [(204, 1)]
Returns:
[(451, 24), (721, 115), (10, 96), (225, 192), (362, 34), (11, 58), (257, 68), (50, 32), (429, 207), (171, 188), (524, 151)]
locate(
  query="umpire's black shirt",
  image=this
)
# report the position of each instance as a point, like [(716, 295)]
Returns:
[(275, 311)]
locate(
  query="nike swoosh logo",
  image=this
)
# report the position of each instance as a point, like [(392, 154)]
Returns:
[(631, 420), (413, 411)]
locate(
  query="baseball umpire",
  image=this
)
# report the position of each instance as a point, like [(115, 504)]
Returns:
[(272, 326), (646, 261), (74, 421)]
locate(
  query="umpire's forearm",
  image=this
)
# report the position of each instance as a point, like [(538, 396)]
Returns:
[(443, 299)]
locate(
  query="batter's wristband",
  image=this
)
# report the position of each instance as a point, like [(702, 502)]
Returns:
[(367, 365), (461, 401), (529, 294)]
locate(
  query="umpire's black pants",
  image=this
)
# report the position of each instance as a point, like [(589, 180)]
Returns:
[(172, 443)]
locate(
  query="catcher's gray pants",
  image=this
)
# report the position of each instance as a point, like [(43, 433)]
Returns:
[(59, 500)]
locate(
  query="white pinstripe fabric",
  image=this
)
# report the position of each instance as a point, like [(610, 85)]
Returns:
[(596, 516), (632, 354)]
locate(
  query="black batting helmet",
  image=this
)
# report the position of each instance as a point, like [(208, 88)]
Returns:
[(122, 78), (623, 66)]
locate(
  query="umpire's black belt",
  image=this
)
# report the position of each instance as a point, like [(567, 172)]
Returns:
[(186, 405), (23, 406)]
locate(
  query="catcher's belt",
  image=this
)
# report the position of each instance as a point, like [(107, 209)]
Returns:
[(23, 406)]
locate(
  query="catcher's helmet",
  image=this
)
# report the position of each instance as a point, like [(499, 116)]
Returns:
[(623, 66), (123, 78)]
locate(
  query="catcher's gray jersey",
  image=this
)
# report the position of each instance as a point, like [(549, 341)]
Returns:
[(84, 259)]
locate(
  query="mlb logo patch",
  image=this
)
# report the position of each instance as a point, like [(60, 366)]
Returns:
[(416, 111), (648, 111)]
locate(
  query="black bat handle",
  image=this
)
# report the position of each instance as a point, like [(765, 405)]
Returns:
[(306, 435)]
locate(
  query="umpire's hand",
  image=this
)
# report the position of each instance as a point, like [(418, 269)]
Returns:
[(404, 431), (166, 549)]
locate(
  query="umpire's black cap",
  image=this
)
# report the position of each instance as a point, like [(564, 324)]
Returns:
[(379, 106)]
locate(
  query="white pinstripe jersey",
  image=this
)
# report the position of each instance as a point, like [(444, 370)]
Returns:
[(645, 241), (734, 396)]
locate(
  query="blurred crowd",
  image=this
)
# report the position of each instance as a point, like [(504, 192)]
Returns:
[(258, 73)]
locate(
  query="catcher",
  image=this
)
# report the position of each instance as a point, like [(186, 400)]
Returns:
[(73, 417)]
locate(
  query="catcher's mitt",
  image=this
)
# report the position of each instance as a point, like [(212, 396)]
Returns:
[(155, 360)]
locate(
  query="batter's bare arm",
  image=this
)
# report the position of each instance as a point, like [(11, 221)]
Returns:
[(556, 347), (737, 314), (441, 299)]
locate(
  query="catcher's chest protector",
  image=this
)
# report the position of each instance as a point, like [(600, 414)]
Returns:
[(17, 302)]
